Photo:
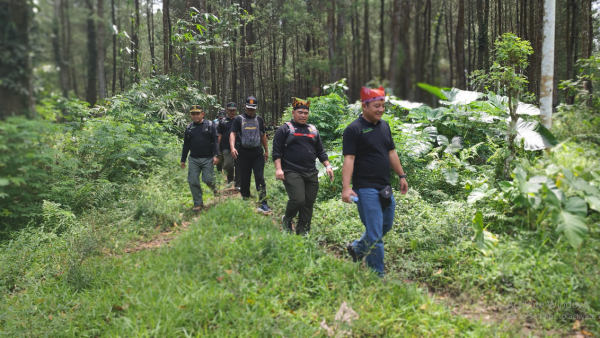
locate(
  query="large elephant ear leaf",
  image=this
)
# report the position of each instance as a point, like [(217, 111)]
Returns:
[(443, 140), (432, 132), (527, 109), (497, 101), (457, 96), (451, 176), (484, 241), (437, 91), (456, 145), (534, 135), (573, 226)]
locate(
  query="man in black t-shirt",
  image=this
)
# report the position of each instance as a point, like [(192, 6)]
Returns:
[(200, 141), (369, 154), (296, 146), (220, 118), (245, 140), (224, 131)]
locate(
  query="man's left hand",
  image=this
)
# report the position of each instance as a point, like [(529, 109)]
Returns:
[(266, 156), (215, 160), (403, 186), (330, 174)]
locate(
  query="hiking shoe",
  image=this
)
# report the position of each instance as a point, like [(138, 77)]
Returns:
[(350, 249), (229, 185), (264, 208), (198, 208)]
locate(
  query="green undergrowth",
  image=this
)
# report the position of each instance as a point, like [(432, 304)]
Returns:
[(232, 274)]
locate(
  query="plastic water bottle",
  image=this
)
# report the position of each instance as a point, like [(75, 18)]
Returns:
[(355, 199)]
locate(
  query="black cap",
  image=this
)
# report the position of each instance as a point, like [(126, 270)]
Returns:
[(231, 106), (222, 112), (251, 102), (196, 109)]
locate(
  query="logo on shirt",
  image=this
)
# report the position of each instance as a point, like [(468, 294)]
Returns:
[(367, 130)]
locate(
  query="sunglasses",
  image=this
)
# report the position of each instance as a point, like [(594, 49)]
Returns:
[(196, 113)]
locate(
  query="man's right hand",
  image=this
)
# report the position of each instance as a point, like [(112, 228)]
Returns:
[(182, 165), (234, 153), (347, 194), (279, 175)]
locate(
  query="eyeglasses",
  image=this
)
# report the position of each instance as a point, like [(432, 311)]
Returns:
[(195, 113)]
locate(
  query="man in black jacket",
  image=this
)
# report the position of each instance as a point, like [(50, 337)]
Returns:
[(245, 140), (296, 146), (200, 141)]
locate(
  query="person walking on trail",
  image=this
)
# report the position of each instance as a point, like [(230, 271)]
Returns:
[(220, 118), (369, 154), (296, 146), (201, 142), (224, 131), (247, 135)]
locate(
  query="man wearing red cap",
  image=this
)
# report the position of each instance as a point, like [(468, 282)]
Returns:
[(369, 154)]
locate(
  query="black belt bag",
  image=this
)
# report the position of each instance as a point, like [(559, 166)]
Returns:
[(385, 197)]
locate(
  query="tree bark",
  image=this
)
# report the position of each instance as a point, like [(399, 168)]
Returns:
[(586, 29), (460, 46), (101, 50), (395, 44), (58, 44), (136, 41), (150, 24), (341, 10), (16, 96), (166, 37), (91, 91), (381, 41), (547, 82), (367, 45), (331, 40), (114, 49)]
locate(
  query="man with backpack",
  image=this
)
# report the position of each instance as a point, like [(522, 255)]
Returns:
[(247, 135), (201, 142), (369, 156), (224, 131), (296, 146), (220, 118)]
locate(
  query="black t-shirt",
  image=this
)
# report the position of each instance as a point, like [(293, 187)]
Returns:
[(236, 127), (224, 129), (200, 140), (370, 144), (301, 152)]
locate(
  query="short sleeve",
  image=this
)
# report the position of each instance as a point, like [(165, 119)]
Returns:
[(237, 124), (220, 128), (350, 140), (390, 146)]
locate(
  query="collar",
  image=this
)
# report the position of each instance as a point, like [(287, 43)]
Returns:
[(364, 121), (200, 122), (296, 124), (250, 117)]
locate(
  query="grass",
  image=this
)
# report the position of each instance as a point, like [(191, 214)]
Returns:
[(232, 274)]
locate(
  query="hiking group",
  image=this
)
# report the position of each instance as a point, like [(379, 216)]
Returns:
[(238, 144)]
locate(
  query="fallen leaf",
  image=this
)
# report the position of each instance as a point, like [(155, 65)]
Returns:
[(185, 224), (175, 224), (586, 333), (63, 314), (229, 271), (116, 307), (219, 279), (423, 307), (438, 272), (576, 325), (345, 314), (74, 307), (40, 300), (50, 317), (157, 227), (182, 306)]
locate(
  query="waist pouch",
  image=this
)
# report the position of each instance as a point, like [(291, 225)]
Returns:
[(385, 197)]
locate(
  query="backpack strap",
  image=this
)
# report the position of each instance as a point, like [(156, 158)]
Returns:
[(290, 133)]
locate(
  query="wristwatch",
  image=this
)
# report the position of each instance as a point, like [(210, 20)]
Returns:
[(328, 167), (402, 176)]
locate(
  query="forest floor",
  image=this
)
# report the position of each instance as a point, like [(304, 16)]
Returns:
[(163, 271)]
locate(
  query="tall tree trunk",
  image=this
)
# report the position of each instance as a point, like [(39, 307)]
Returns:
[(547, 83), (136, 41), (91, 90), (331, 40), (482, 33), (406, 74), (166, 37), (250, 39), (341, 10), (460, 46), (570, 43), (367, 45), (58, 44), (150, 24), (66, 42), (114, 49), (531, 71), (381, 41), (396, 14), (449, 44), (101, 50), (16, 99)]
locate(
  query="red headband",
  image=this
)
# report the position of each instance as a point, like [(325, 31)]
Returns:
[(369, 95)]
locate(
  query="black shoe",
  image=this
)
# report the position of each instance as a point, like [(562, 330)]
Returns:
[(350, 249)]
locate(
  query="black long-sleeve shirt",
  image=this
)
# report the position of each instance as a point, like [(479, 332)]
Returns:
[(200, 141), (301, 152)]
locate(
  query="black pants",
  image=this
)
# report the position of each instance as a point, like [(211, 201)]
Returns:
[(249, 161), (302, 189)]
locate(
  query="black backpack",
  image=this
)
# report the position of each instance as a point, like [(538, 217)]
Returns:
[(250, 136), (189, 127), (313, 133)]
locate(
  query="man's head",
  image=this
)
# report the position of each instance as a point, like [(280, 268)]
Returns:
[(251, 105), (300, 110), (196, 113), (373, 103), (221, 114), (231, 110)]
